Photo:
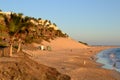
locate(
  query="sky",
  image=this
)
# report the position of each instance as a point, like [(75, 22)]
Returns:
[(96, 22)]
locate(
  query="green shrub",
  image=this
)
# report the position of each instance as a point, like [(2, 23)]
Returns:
[(82, 42)]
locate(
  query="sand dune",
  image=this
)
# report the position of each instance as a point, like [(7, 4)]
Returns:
[(64, 43)]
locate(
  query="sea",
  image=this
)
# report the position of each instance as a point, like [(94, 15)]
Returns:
[(110, 58)]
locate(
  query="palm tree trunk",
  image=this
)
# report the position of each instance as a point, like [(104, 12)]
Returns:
[(11, 46), (10, 49), (19, 45)]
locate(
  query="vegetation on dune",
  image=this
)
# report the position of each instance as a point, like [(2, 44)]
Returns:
[(82, 42), (16, 28)]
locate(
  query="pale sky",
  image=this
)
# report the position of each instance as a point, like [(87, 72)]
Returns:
[(91, 21)]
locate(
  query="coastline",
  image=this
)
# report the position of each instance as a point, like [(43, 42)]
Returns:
[(76, 63), (109, 58)]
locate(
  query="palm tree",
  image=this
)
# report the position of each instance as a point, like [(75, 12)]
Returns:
[(24, 30), (14, 24)]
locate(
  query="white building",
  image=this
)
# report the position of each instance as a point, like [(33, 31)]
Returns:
[(7, 13)]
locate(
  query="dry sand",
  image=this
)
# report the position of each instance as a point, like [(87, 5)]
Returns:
[(63, 44), (74, 59), (20, 67)]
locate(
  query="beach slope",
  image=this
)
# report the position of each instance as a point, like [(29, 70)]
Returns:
[(79, 63)]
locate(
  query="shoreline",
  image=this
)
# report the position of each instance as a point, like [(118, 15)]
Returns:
[(105, 64), (76, 63)]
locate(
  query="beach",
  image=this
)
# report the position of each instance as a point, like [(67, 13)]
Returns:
[(77, 61)]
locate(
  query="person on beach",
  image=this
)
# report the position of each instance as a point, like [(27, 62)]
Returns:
[(112, 57), (114, 65), (84, 62)]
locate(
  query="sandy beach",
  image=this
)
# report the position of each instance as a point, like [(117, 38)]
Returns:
[(77, 60)]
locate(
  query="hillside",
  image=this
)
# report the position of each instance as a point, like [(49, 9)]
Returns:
[(17, 29), (64, 44), (17, 32), (23, 68)]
